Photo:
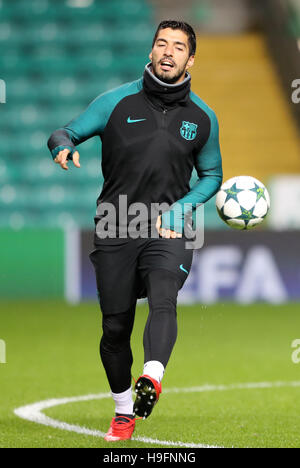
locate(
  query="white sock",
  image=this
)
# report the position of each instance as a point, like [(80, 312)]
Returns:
[(154, 369), (123, 401)]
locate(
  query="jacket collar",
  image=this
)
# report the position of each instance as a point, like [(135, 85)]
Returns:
[(165, 94)]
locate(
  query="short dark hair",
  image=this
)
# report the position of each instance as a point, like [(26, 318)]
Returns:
[(185, 27)]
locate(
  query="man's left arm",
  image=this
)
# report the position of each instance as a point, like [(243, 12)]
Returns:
[(208, 164)]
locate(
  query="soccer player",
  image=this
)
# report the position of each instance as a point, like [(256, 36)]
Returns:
[(154, 131)]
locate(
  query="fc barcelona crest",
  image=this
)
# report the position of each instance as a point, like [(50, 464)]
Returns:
[(188, 130)]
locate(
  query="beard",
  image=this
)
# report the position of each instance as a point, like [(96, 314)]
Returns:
[(169, 77)]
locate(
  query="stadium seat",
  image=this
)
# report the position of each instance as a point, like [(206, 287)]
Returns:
[(55, 65), (241, 85)]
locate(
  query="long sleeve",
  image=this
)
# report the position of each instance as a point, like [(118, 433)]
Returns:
[(208, 164), (88, 124), (91, 122)]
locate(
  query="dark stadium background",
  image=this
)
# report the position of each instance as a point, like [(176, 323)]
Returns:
[(56, 56)]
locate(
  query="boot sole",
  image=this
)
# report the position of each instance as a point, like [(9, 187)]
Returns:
[(146, 398)]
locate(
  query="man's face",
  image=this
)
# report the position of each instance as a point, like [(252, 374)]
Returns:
[(170, 55)]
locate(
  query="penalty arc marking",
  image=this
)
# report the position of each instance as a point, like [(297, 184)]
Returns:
[(34, 411)]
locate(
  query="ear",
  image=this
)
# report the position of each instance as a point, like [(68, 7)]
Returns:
[(150, 56), (190, 62)]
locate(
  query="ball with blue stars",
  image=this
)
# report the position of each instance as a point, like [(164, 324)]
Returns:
[(243, 202)]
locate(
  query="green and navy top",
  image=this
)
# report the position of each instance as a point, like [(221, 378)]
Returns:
[(153, 134)]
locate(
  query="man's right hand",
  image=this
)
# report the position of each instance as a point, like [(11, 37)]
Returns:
[(62, 156)]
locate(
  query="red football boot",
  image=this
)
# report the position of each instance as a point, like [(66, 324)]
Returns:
[(121, 428), (147, 392)]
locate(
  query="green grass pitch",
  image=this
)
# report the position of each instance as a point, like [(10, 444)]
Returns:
[(52, 352)]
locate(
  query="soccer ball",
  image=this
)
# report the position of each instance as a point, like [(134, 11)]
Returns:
[(243, 202)]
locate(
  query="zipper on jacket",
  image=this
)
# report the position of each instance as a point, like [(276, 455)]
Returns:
[(164, 111)]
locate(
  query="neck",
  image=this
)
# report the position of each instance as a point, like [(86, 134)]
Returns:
[(166, 93)]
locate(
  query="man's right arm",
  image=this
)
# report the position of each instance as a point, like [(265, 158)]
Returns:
[(62, 143)]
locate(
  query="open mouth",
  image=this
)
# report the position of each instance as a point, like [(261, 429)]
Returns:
[(166, 65)]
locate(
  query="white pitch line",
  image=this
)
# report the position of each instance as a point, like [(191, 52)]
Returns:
[(241, 386), (33, 412)]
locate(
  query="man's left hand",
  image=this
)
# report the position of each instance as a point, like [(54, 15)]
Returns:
[(167, 233)]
